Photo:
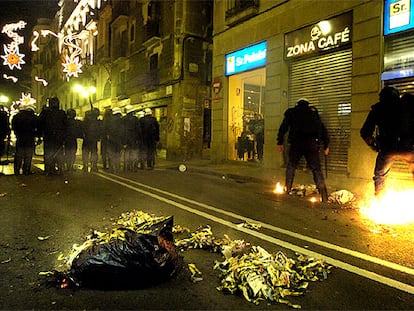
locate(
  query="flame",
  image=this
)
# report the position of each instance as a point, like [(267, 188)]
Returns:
[(278, 189), (392, 208), (313, 200)]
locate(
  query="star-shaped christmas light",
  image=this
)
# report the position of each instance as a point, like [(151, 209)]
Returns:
[(72, 67), (27, 99), (13, 58)]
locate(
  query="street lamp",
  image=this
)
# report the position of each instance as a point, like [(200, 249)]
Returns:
[(86, 92), (4, 99)]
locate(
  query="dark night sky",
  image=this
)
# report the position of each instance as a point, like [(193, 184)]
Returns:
[(12, 11)]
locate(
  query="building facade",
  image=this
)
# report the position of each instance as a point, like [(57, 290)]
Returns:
[(145, 53), (267, 54)]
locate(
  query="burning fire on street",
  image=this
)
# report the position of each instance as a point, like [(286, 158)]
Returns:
[(394, 207)]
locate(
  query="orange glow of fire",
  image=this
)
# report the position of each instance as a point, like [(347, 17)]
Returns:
[(392, 208), (313, 199), (278, 189)]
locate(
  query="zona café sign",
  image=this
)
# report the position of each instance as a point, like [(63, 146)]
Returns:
[(325, 35)]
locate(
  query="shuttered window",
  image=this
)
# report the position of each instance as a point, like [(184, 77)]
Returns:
[(326, 82)]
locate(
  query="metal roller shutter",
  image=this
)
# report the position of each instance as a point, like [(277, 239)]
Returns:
[(326, 82)]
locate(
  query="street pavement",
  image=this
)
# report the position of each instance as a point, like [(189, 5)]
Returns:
[(238, 170)]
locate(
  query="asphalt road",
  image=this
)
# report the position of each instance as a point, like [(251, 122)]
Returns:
[(43, 216)]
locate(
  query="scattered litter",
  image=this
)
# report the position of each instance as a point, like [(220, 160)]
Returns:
[(303, 190), (196, 275), (342, 197), (260, 275), (182, 168), (7, 260), (138, 253), (3, 194), (42, 238), (140, 249), (250, 226)]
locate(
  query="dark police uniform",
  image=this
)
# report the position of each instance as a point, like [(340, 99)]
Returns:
[(24, 125), (390, 123), (306, 134)]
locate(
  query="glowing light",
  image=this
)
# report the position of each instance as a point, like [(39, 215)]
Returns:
[(72, 67), (33, 43), (278, 188), (27, 99), (14, 79), (313, 199), (44, 82), (13, 58), (325, 27), (393, 207)]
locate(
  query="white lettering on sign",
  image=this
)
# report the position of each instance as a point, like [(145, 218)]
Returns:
[(322, 43), (399, 13), (250, 58)]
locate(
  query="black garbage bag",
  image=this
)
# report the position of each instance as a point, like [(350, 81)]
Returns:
[(139, 260)]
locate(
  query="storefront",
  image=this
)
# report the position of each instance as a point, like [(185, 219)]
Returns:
[(398, 52), (246, 72), (319, 58)]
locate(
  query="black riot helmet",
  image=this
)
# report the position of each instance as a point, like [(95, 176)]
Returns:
[(389, 94), (71, 113)]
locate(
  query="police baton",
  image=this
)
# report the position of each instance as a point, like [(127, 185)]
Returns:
[(326, 165)]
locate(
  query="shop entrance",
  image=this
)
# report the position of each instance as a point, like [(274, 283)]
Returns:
[(246, 112)]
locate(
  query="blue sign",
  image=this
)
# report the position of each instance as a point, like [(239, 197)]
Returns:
[(398, 16), (246, 59)]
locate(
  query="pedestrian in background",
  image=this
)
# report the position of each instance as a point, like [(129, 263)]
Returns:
[(306, 135), (150, 135), (387, 130), (256, 126), (115, 140), (91, 133), (104, 141), (141, 149), (4, 129), (73, 132), (52, 122), (24, 125), (133, 135)]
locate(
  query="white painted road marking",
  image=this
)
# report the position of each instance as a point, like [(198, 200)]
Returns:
[(343, 265)]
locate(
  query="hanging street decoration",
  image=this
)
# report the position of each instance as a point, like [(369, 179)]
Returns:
[(27, 99), (72, 66), (14, 79), (13, 58), (44, 82)]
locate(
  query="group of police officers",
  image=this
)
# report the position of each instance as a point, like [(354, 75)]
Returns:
[(134, 136)]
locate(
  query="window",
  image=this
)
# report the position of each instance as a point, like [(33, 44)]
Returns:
[(132, 33), (152, 26), (233, 7)]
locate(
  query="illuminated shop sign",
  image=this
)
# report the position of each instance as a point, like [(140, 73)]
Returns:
[(325, 35), (398, 16), (246, 59)]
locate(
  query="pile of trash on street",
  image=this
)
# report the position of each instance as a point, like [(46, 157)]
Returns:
[(140, 251), (343, 198), (256, 274)]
